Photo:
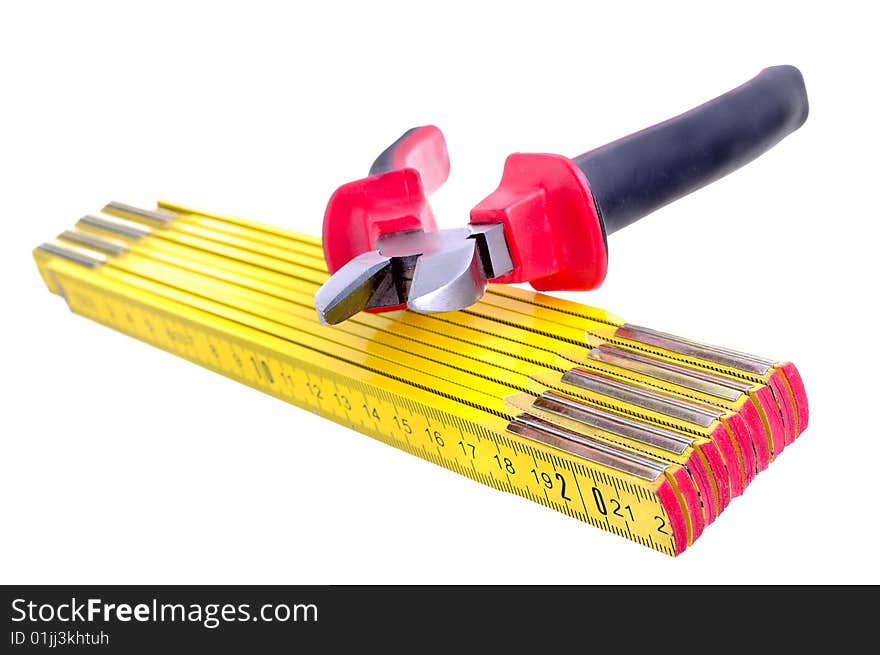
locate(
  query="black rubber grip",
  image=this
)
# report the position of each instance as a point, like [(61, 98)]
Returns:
[(638, 174)]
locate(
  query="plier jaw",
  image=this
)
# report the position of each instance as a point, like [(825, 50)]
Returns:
[(438, 271)]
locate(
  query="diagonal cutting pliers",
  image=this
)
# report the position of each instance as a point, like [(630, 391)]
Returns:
[(547, 222)]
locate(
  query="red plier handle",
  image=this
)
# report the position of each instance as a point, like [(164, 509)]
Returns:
[(557, 211)]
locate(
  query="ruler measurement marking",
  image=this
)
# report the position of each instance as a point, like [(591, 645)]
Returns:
[(580, 495)]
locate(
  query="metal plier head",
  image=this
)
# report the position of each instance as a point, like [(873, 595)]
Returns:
[(437, 271)]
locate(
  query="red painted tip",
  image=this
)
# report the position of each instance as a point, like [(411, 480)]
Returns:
[(766, 403), (675, 514), (708, 500), (737, 427), (759, 437), (733, 465), (688, 491), (784, 403), (796, 384), (720, 473)]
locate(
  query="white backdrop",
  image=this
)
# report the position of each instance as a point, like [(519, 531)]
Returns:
[(121, 463)]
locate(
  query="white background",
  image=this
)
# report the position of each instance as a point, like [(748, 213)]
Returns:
[(121, 463)]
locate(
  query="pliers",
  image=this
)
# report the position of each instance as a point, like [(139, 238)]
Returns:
[(547, 222)]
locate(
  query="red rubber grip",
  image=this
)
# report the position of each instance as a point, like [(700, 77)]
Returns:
[(395, 198), (553, 230)]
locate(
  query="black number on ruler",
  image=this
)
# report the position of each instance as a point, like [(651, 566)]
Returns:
[(616, 511), (342, 401), (371, 412), (465, 447), (600, 502), (661, 524), (402, 424), (263, 370), (315, 390), (505, 464), (435, 437), (561, 478), (543, 477)]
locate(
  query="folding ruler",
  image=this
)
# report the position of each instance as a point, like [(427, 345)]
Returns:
[(634, 431)]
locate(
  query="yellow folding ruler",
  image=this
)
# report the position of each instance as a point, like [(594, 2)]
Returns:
[(634, 431)]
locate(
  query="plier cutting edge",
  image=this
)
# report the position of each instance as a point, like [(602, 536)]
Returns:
[(548, 220)]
